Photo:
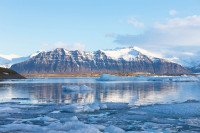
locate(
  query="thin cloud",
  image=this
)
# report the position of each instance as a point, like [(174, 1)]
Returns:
[(132, 20)]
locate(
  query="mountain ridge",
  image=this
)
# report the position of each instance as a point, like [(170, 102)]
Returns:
[(129, 59)]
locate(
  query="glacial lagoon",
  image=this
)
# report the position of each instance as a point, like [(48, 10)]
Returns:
[(42, 105)]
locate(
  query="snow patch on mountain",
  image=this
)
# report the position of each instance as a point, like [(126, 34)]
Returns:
[(149, 54), (36, 53), (126, 54)]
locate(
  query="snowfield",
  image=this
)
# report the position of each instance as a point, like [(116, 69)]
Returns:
[(107, 77)]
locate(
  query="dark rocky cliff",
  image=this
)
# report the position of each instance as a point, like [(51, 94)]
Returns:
[(61, 61)]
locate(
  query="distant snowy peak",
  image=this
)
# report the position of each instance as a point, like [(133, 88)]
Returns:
[(129, 54), (3, 66), (186, 60), (7, 61), (10, 56)]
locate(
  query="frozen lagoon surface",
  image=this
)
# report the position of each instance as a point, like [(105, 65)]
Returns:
[(113, 106)]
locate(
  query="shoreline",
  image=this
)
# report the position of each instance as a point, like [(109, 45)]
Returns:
[(132, 74)]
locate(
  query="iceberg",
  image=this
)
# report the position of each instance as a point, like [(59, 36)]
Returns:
[(107, 77), (185, 79)]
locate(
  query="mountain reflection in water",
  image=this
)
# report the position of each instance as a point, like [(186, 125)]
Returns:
[(137, 93)]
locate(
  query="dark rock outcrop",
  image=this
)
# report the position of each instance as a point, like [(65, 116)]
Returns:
[(60, 61), (9, 74)]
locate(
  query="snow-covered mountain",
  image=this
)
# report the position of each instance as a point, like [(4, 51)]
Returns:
[(132, 59), (7, 61), (188, 60)]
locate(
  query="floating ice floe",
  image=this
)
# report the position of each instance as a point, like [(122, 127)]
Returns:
[(100, 127), (107, 77), (76, 88), (91, 107), (91, 118), (73, 127), (23, 128), (77, 107), (113, 129), (68, 127), (47, 119), (66, 119), (8, 110)]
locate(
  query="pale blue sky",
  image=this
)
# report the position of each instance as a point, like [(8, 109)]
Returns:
[(30, 25)]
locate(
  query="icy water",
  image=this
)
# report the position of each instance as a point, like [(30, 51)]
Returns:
[(42, 105)]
